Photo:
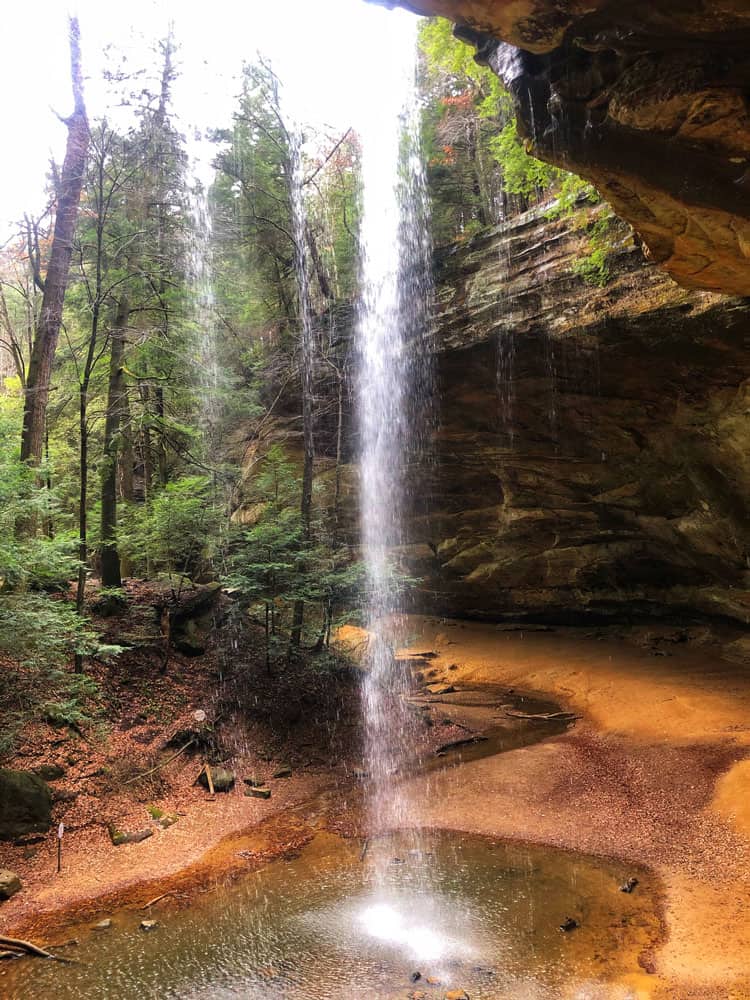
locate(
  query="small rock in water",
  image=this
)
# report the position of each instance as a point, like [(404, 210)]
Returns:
[(397, 861), (10, 883), (569, 924), (456, 995), (418, 995), (433, 981), (416, 976), (149, 925), (258, 793), (629, 884), (103, 925), (282, 772)]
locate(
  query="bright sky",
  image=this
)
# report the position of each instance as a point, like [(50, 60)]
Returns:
[(328, 53)]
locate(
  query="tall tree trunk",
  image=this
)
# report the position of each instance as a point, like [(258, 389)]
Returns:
[(50, 318), (307, 489), (126, 453), (110, 557), (320, 271), (161, 448), (145, 442), (83, 432)]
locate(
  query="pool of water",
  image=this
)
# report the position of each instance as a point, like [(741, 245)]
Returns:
[(465, 912)]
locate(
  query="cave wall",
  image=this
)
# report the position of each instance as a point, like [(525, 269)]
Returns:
[(651, 102)]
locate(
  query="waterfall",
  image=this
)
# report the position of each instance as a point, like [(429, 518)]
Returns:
[(392, 387), (204, 313)]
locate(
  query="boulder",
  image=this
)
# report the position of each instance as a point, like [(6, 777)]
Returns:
[(25, 804), (222, 778), (10, 883)]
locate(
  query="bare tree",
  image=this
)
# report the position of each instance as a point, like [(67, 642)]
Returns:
[(56, 281)]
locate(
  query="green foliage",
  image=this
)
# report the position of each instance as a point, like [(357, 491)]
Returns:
[(27, 560), (522, 174), (592, 266), (272, 566), (476, 158), (75, 694), (173, 533)]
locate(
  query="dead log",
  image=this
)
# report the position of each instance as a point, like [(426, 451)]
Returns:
[(537, 716), (16, 944)]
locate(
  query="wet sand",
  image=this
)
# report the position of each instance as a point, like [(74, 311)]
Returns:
[(655, 772)]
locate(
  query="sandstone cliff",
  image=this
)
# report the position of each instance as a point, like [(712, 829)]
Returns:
[(591, 456), (648, 101)]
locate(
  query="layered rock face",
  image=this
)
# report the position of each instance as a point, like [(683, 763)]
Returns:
[(591, 457), (593, 452), (648, 101)]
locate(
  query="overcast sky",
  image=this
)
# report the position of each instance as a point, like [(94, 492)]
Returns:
[(329, 54)]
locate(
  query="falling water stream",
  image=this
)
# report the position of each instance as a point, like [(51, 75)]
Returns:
[(393, 377)]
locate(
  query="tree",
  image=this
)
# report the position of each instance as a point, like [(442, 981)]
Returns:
[(56, 280), (116, 419)]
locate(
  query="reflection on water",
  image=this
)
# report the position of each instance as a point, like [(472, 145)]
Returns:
[(324, 926)]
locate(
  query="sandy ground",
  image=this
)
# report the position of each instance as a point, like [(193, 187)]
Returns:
[(656, 771)]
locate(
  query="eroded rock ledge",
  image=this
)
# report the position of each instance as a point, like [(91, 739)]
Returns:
[(648, 101), (592, 457)]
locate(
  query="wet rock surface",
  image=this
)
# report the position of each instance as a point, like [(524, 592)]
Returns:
[(647, 101), (592, 454)]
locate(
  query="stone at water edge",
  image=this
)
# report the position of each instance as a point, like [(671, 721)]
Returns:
[(222, 778), (569, 924), (258, 793), (629, 884), (284, 771), (10, 883), (456, 995), (103, 925), (149, 925)]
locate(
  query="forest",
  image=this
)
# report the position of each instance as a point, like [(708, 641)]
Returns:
[(148, 377), (374, 466)]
